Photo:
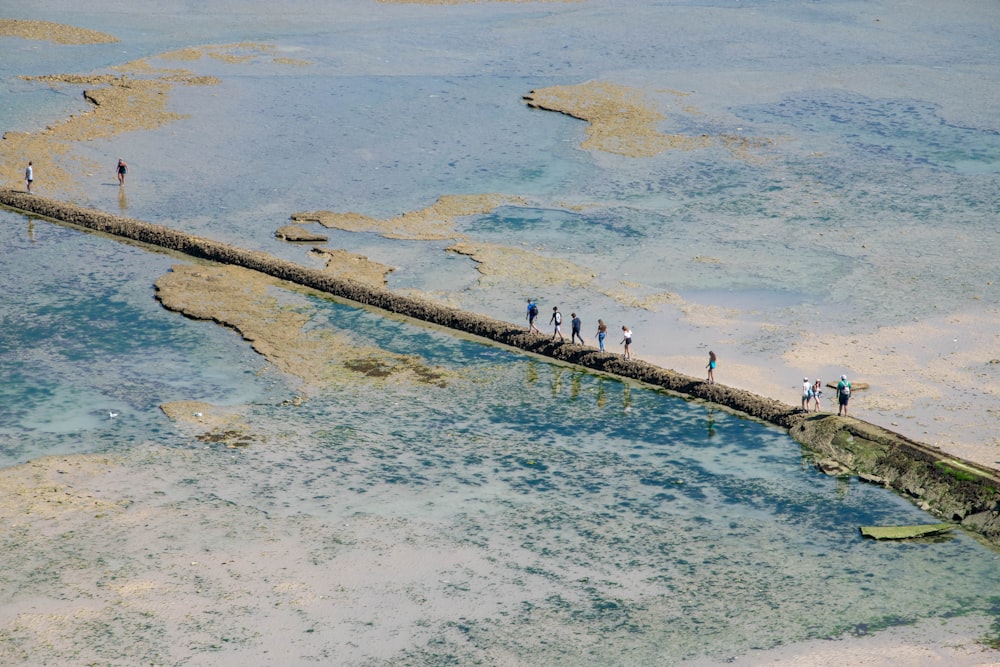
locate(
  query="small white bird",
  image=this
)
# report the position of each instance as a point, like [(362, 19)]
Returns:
[(112, 415)]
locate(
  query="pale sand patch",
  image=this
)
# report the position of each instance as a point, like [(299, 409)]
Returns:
[(299, 234), (203, 415), (494, 262), (239, 53), (44, 489), (946, 370), (952, 643), (273, 319), (345, 264), (936, 381), (53, 32), (434, 223), (500, 263), (519, 265), (622, 120)]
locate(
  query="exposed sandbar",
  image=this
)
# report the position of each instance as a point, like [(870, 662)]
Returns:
[(53, 32), (624, 121)]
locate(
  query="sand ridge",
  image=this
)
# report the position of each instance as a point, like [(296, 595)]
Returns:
[(274, 321), (58, 33), (624, 121), (494, 262)]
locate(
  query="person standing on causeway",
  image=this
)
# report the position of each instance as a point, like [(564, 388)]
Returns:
[(577, 325), (843, 395), (602, 333), (531, 315), (627, 341), (556, 319)]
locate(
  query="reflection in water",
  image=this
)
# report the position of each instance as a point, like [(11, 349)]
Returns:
[(556, 382), (602, 396), (575, 377), (711, 420), (626, 398), (31, 230), (122, 200), (531, 372)]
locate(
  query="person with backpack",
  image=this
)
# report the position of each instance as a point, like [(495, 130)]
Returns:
[(531, 315), (843, 395), (556, 319)]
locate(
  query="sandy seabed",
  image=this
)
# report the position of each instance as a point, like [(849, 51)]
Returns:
[(146, 559)]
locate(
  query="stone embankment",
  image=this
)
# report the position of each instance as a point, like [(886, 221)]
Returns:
[(953, 489)]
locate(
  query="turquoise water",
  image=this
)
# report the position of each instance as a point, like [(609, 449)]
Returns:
[(83, 337), (647, 525)]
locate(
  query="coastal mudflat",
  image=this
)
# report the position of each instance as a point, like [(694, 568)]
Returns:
[(163, 554)]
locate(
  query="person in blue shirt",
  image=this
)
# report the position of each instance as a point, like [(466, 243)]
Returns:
[(531, 314)]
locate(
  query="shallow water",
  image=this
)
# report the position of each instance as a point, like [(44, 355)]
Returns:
[(646, 525), (83, 337)]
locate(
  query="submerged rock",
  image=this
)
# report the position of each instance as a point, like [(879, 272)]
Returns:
[(905, 532), (297, 234)]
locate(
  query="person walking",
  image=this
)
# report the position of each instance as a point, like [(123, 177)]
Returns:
[(121, 170), (817, 392), (602, 333), (712, 361), (556, 320), (531, 315), (807, 389), (627, 341), (843, 395), (29, 176), (576, 325)]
